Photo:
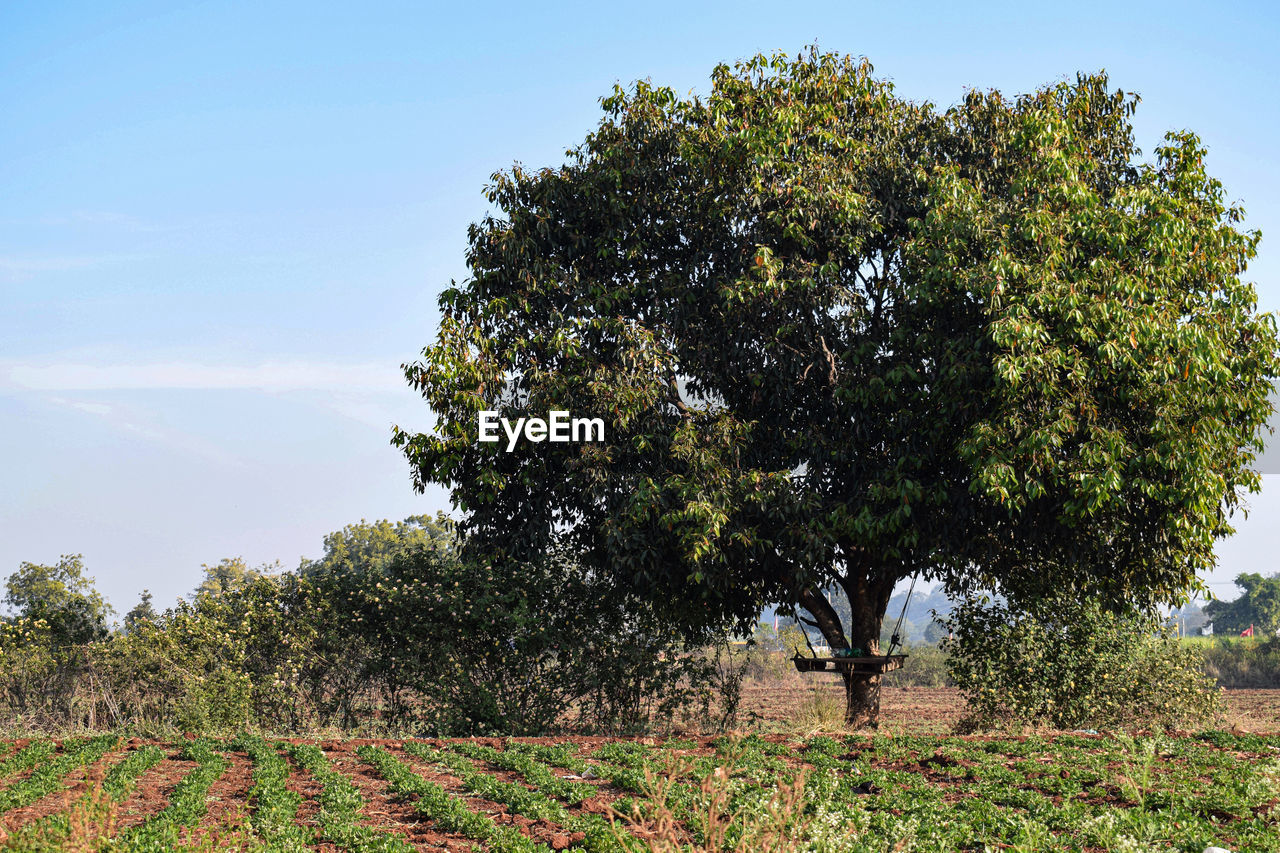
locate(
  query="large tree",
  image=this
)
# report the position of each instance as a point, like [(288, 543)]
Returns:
[(838, 338), (60, 598), (1258, 606)]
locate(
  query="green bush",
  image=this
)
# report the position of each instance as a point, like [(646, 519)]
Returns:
[(506, 647), (1069, 664), (926, 666)]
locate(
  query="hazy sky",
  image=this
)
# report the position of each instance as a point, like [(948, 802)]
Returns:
[(223, 226)]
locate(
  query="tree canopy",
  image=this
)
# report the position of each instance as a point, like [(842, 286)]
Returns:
[(62, 597), (229, 574), (838, 337), (369, 546), (1258, 605)]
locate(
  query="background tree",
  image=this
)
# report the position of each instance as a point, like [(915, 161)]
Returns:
[(61, 596), (369, 547), (1259, 606), (229, 574), (140, 613), (839, 339)]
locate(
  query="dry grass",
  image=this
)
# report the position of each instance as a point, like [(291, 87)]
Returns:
[(91, 819), (821, 711), (657, 823)]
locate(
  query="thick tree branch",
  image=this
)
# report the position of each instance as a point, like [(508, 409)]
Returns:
[(831, 361), (827, 621), (673, 396)]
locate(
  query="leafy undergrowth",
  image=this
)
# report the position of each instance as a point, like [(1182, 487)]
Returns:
[(827, 793)]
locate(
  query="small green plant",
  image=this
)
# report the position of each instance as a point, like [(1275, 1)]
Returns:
[(534, 772), (27, 757), (48, 777), (721, 815), (274, 806), (90, 822), (534, 803), (187, 803)]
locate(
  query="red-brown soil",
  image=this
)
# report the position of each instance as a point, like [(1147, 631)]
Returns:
[(935, 710), (775, 708)]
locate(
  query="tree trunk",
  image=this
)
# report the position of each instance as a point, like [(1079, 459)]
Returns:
[(861, 700), (867, 603)]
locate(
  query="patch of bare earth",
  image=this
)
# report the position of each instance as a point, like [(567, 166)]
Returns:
[(226, 802), (935, 710), (1254, 710), (151, 795), (909, 710), (308, 788)]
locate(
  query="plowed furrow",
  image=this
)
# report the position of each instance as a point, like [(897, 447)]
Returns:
[(222, 826), (76, 785), (151, 795), (385, 810)]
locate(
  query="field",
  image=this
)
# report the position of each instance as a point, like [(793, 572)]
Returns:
[(785, 790)]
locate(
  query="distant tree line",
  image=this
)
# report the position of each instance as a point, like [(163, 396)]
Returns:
[(390, 630)]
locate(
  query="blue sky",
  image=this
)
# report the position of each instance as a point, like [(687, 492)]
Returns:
[(223, 226)]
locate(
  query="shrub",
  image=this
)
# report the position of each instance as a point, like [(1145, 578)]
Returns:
[(505, 647), (926, 666), (1069, 664)]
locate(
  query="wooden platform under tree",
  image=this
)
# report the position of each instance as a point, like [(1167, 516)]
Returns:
[(876, 665)]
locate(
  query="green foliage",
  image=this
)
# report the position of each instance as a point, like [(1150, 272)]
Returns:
[(1068, 664), (537, 803), (229, 575), (192, 668), (27, 757), (42, 661), (1258, 606), (141, 612), (122, 777), (366, 548), (48, 776), (36, 680), (929, 794), (417, 639), (275, 807), (61, 599), (52, 833), (838, 338), (533, 771), (926, 666), (505, 647), (187, 803)]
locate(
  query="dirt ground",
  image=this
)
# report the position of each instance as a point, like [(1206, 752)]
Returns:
[(934, 710)]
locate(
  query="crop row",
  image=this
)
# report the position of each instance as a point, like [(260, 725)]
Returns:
[(1069, 792), (340, 803)]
